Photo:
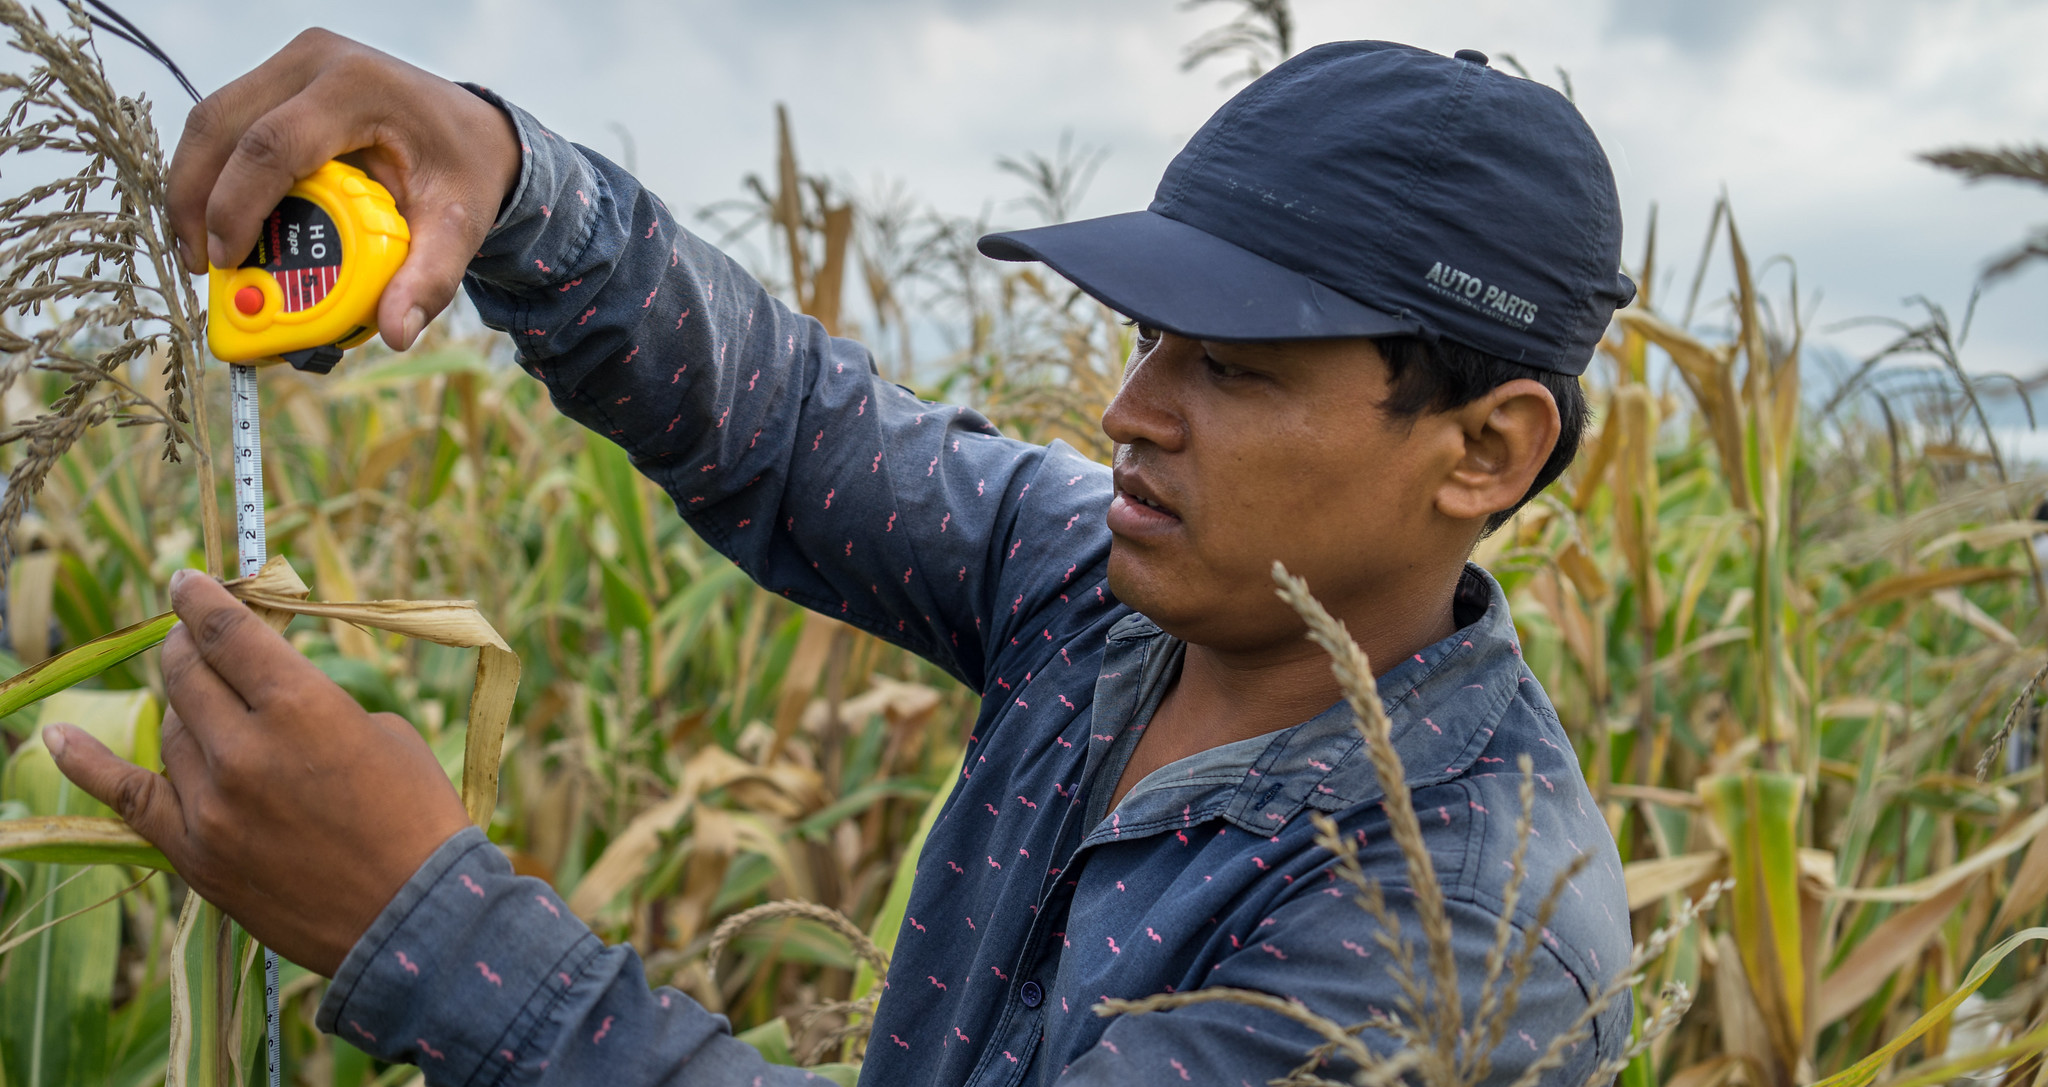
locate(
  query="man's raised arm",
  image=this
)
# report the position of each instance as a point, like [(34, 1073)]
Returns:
[(778, 443)]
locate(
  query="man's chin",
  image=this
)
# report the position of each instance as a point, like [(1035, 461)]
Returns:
[(1161, 595)]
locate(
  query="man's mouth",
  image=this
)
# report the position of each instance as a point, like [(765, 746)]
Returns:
[(1146, 502), (1135, 512)]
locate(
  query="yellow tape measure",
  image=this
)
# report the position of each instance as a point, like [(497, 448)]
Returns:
[(309, 289)]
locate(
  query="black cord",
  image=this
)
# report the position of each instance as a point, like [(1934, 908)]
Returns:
[(133, 35)]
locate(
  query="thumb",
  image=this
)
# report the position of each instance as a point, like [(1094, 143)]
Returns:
[(444, 238), (145, 801)]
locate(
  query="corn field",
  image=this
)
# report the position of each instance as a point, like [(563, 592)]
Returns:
[(1797, 634)]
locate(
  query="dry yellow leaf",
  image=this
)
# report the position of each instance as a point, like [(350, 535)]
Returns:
[(2029, 885), (276, 593), (1877, 956), (1999, 848), (1901, 586), (1648, 881)]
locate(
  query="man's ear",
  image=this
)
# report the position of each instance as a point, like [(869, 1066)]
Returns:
[(1509, 434)]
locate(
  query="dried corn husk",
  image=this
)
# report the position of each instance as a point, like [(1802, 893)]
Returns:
[(277, 593)]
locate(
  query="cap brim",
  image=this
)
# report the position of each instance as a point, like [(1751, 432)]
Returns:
[(1163, 272)]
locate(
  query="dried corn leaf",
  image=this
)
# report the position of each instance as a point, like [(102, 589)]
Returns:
[(1955, 603), (2029, 885), (1579, 565), (276, 593), (1651, 880), (780, 788), (1594, 461), (1712, 1072), (277, 579), (1999, 848), (30, 587), (455, 623), (629, 855), (1745, 1030), (1878, 955), (1983, 538), (338, 582), (806, 667), (1709, 372), (1901, 586)]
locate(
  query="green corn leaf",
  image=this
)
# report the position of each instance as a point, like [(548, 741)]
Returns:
[(1758, 814), (772, 1039), (56, 993), (617, 488), (77, 839), (74, 666), (1867, 1069)]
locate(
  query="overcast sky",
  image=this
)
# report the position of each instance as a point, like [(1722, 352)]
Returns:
[(1808, 112)]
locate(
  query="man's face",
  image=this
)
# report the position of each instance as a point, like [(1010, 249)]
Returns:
[(1230, 456)]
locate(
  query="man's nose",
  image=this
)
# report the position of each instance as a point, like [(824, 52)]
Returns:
[(1148, 408)]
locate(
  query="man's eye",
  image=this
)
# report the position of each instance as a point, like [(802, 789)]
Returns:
[(1147, 334), (1224, 369)]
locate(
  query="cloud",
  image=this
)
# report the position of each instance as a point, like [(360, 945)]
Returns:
[(1808, 112), (1704, 28)]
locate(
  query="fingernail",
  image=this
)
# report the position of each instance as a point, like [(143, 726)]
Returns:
[(54, 738), (178, 578), (217, 251), (184, 253), (415, 320)]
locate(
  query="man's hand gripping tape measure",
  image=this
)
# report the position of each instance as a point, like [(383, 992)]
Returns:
[(309, 289)]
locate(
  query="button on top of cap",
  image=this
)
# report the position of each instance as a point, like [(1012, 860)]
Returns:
[(1473, 55)]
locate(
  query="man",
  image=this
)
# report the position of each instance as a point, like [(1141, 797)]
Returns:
[(1363, 295)]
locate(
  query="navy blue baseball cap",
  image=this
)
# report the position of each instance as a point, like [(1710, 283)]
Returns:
[(1369, 189)]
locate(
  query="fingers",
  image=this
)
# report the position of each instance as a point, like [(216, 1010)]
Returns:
[(273, 152), (200, 700), (234, 645), (143, 800), (212, 131), (447, 156), (181, 753)]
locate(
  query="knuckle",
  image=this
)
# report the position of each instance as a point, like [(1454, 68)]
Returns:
[(235, 768), (267, 144), (214, 822), (206, 122), (289, 706), (354, 66), (133, 796), (314, 39), (221, 625), (178, 658)]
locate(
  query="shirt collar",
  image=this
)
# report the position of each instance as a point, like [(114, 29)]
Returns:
[(1443, 701)]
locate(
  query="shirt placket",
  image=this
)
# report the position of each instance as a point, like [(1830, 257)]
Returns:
[(1119, 688)]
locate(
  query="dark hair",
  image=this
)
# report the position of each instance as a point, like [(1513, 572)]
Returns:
[(1440, 376)]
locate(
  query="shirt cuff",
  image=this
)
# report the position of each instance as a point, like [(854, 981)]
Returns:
[(550, 217), (452, 977)]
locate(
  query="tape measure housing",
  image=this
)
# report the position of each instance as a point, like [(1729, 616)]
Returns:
[(311, 285)]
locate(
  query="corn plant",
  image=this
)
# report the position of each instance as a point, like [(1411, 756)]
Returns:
[(1786, 631)]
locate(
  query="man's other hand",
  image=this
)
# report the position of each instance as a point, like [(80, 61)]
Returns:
[(282, 801), (448, 157)]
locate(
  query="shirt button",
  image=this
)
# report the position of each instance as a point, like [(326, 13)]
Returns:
[(1031, 994)]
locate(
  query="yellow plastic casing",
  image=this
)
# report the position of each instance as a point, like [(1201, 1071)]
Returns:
[(374, 240)]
